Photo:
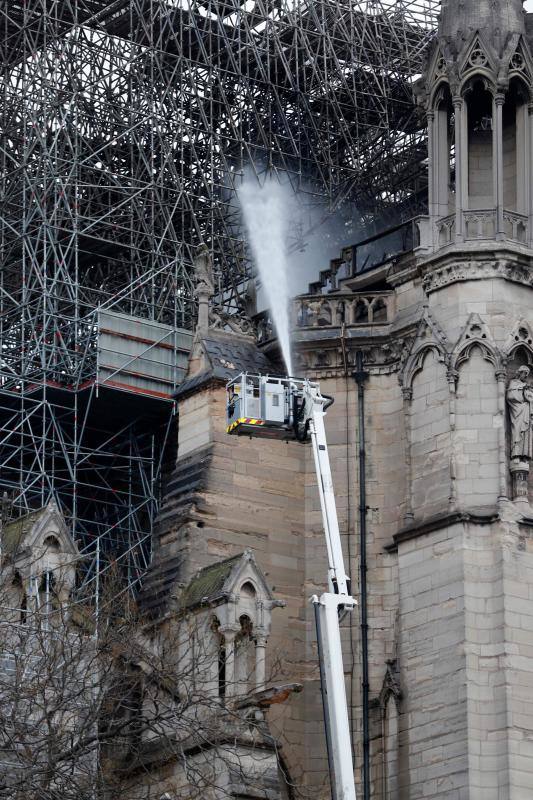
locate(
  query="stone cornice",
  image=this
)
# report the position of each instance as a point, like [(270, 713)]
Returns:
[(417, 529), (459, 270), (457, 264)]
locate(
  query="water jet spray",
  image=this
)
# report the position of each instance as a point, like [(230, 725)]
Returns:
[(266, 215)]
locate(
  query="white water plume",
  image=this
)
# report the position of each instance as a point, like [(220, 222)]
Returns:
[(266, 212)]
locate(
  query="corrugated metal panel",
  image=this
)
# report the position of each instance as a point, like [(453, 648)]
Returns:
[(141, 356)]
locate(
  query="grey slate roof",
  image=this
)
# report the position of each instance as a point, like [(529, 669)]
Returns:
[(228, 354), (13, 533), (206, 586)]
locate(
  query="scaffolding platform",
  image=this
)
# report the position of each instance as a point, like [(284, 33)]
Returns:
[(141, 356)]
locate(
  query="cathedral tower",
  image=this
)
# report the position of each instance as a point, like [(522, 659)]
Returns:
[(465, 553), (444, 321)]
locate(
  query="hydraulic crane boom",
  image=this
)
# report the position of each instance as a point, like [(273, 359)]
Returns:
[(287, 408)]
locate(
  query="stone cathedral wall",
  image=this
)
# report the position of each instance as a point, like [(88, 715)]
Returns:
[(257, 494), (262, 494), (449, 553)]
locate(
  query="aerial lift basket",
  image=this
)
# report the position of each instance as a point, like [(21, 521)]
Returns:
[(266, 406)]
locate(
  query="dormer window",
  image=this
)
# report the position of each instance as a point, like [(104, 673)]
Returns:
[(237, 614), (39, 550)]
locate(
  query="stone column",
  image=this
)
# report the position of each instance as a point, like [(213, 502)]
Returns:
[(501, 378), (452, 386), (441, 160), (32, 593), (461, 166), (431, 165), (231, 673), (522, 155), (529, 174), (260, 661), (204, 286), (465, 200), (497, 156), (408, 514), (203, 311)]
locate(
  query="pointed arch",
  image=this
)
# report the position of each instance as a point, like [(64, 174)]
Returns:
[(416, 360), (429, 338), (521, 65), (520, 337), (478, 60), (389, 702), (438, 91), (474, 334)]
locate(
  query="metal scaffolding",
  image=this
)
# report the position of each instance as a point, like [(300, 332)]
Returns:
[(126, 128)]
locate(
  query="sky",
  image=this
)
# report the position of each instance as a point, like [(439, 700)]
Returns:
[(529, 5)]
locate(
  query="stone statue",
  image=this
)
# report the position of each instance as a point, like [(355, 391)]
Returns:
[(210, 314), (203, 270), (519, 400)]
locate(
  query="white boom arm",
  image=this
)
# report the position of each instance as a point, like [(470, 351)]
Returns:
[(327, 609)]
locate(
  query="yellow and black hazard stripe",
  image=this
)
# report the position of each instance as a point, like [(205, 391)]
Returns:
[(244, 421)]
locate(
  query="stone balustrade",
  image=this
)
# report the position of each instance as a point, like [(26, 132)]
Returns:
[(322, 311), (445, 230), (516, 226), (481, 225), (350, 309)]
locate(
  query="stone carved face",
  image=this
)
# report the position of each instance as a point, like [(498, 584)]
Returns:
[(523, 373)]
